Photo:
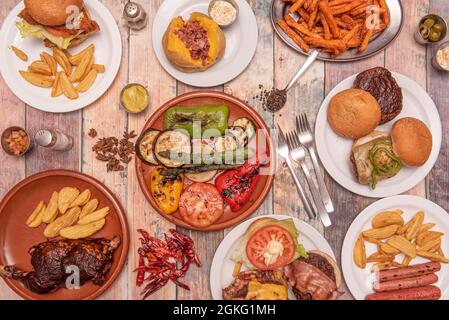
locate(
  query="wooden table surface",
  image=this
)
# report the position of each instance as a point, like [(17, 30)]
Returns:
[(273, 65)]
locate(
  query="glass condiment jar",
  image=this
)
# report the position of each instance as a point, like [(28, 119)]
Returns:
[(431, 29), (53, 139), (440, 59), (134, 98)]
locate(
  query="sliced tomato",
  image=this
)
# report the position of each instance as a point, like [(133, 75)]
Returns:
[(201, 205), (275, 236)]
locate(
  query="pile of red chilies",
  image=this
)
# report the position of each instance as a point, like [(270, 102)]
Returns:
[(161, 258)]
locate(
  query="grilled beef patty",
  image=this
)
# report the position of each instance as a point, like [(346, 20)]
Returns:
[(382, 85)]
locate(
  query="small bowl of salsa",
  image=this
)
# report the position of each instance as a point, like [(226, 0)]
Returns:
[(15, 141)]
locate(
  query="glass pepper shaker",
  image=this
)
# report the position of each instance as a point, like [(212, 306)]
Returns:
[(135, 16), (53, 139)]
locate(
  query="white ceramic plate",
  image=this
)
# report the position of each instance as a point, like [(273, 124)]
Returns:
[(359, 281), (108, 51), (241, 42), (222, 266), (334, 150)]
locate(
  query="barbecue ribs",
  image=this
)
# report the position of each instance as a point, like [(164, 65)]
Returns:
[(50, 259)]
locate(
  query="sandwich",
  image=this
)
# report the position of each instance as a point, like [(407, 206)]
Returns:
[(373, 158), (316, 277), (62, 23)]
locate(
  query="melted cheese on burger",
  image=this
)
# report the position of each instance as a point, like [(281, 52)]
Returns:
[(266, 291)]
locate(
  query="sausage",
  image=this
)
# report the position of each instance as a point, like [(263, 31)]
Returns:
[(420, 293), (407, 283), (408, 272)]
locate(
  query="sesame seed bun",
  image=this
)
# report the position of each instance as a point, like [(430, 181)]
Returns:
[(353, 113), (412, 141), (51, 13)]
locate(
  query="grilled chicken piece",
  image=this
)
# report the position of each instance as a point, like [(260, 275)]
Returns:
[(51, 259)]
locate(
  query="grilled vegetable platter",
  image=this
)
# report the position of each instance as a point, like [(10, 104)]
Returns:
[(201, 161)]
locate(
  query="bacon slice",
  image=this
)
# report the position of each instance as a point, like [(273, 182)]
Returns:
[(311, 280)]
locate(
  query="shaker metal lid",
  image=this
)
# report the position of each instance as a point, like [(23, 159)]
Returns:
[(132, 10), (43, 137)]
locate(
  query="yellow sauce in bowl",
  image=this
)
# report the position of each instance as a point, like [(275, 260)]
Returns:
[(134, 98)]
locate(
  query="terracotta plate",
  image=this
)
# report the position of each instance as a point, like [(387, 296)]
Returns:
[(16, 238), (237, 109)]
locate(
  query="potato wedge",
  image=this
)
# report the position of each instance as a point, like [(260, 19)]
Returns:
[(71, 217), (432, 245), (87, 82), (81, 231), (50, 61), (66, 196), (82, 199), (387, 218), (380, 257), (384, 265), (427, 236), (82, 67), (94, 216), (63, 60), (100, 68), (406, 261), (89, 207), (413, 229), (402, 244), (67, 87), (432, 256), (35, 219), (19, 53), (425, 227), (360, 253), (52, 209), (37, 79), (40, 67), (56, 89), (403, 229), (88, 68), (381, 233), (76, 59), (388, 249)]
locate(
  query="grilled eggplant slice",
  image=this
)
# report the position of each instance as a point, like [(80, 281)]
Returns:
[(145, 146), (172, 148)]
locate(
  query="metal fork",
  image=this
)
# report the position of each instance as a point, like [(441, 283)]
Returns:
[(305, 137), (282, 151), (298, 154)]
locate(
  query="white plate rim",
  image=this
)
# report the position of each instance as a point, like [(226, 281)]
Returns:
[(228, 241), (201, 79), (347, 264), (57, 105), (381, 191)]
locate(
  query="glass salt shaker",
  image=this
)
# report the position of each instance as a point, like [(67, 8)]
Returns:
[(53, 139), (135, 16)]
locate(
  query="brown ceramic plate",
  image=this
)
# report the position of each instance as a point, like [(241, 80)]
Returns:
[(16, 238), (237, 109)]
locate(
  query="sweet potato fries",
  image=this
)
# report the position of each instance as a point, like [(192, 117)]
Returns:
[(334, 26)]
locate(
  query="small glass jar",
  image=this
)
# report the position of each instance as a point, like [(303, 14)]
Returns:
[(442, 49), (437, 20)]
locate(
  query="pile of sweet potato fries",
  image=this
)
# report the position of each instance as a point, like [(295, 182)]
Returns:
[(334, 26)]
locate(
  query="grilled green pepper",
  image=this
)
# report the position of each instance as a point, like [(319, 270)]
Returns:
[(209, 116), (385, 163)]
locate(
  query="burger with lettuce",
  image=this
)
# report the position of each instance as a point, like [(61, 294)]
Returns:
[(59, 23)]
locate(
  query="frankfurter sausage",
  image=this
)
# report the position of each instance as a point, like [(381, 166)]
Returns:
[(407, 283), (420, 293), (408, 272)]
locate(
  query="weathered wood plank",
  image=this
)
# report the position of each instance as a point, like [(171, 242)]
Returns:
[(405, 48), (438, 88), (347, 205), (109, 119), (145, 68), (12, 113)]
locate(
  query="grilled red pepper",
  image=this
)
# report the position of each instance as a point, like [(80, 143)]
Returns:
[(236, 186)]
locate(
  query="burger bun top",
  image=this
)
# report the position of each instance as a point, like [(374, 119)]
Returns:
[(52, 13)]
